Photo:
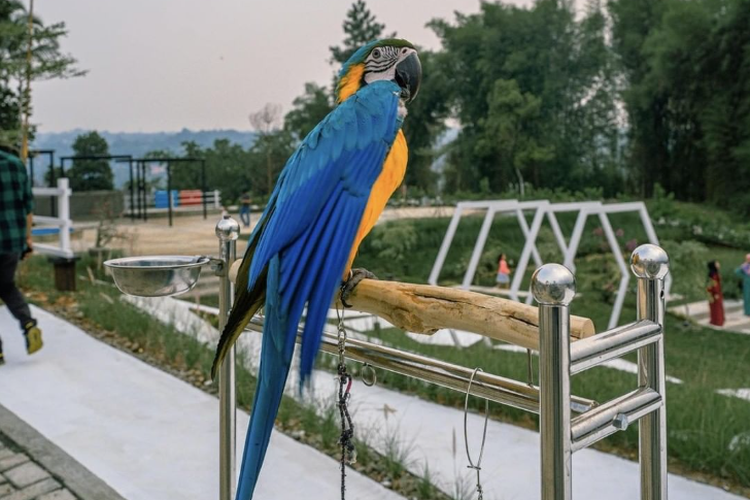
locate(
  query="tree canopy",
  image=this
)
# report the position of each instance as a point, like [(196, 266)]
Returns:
[(90, 175), (621, 97), (47, 62)]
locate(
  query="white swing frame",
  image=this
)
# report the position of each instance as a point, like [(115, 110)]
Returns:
[(569, 249)]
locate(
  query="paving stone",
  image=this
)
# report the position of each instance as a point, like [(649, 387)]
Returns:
[(62, 494), (35, 490), (2, 479), (5, 453), (12, 461), (26, 474), (6, 489)]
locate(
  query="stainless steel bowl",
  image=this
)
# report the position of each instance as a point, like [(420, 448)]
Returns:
[(156, 276)]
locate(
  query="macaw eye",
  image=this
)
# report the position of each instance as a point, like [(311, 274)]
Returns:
[(376, 54), (404, 51)]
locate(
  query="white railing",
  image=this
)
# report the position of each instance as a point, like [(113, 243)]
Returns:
[(62, 192), (186, 199)]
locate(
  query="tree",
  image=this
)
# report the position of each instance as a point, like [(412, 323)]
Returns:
[(272, 141), (561, 67), (308, 110), (687, 95), (426, 122), (360, 27), (47, 62), (90, 175)]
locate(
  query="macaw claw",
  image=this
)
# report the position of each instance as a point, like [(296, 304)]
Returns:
[(355, 276)]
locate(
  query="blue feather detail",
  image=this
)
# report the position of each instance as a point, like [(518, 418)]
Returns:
[(311, 222)]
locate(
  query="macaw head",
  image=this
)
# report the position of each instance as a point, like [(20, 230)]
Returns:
[(391, 59)]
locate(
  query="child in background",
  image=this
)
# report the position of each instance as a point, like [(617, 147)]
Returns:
[(503, 272)]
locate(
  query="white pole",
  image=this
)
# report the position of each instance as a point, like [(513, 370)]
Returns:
[(63, 211), (445, 246), (478, 249), (217, 199)]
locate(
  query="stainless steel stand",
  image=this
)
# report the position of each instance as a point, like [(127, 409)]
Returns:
[(227, 230), (553, 287)]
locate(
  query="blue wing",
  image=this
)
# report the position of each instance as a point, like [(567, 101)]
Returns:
[(303, 240)]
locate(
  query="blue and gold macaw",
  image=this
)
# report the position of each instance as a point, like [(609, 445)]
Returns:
[(328, 197)]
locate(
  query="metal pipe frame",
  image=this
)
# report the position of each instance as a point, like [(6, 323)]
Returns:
[(590, 352), (553, 287), (227, 230), (651, 268), (615, 415), (501, 390)]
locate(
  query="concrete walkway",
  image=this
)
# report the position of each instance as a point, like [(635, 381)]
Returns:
[(735, 319), (428, 435), (33, 468), (146, 434)]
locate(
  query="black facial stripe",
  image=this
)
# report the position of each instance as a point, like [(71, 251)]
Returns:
[(379, 66), (388, 58)]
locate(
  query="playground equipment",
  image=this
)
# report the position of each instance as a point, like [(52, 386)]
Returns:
[(566, 346), (568, 249), (139, 199)]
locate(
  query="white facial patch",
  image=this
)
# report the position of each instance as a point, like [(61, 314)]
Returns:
[(382, 61)]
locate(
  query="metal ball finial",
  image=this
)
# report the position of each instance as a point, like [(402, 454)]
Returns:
[(227, 229), (650, 262), (553, 284)]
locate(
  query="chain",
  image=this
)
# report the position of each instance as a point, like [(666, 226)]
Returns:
[(346, 440), (478, 466)]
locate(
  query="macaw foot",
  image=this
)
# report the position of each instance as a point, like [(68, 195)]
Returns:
[(355, 276)]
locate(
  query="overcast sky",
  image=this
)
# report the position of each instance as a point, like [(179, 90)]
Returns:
[(161, 65)]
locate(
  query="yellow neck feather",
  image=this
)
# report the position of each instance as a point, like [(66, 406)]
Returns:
[(349, 83)]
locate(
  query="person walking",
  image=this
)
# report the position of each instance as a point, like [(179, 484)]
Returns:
[(743, 272), (245, 202), (503, 272), (715, 295), (16, 205)]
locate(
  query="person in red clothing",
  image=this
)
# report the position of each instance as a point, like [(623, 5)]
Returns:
[(715, 296), (503, 272)]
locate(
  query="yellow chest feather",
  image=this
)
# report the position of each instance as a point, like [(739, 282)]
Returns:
[(389, 179)]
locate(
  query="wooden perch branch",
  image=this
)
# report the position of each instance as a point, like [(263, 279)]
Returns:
[(425, 309)]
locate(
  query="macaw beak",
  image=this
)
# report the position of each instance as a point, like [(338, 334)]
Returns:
[(409, 76)]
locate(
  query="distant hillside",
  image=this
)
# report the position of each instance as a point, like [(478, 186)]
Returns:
[(136, 144)]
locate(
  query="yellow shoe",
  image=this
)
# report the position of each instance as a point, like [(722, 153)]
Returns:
[(33, 337)]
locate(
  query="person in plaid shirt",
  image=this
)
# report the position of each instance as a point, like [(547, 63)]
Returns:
[(16, 205)]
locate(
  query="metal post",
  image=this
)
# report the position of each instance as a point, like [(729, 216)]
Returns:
[(554, 287), (53, 183), (227, 230), (203, 188), (144, 194), (132, 207), (650, 264), (169, 192)]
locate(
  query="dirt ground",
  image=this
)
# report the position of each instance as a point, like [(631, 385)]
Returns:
[(192, 235)]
